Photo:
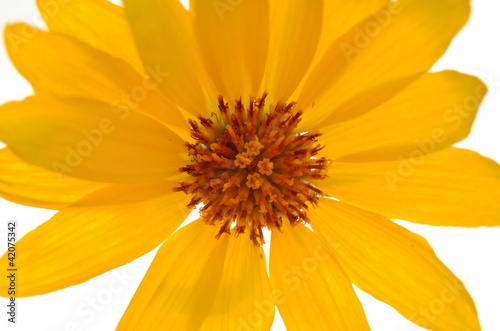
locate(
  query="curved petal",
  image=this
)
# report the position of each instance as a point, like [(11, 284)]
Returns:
[(102, 231), (438, 109), (233, 37), (396, 266), (294, 34), (400, 42), (87, 139), (63, 66), (163, 33), (244, 300), (454, 187), (180, 286), (32, 186), (98, 23), (313, 292)]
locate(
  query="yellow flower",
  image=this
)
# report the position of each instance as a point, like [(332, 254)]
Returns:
[(295, 113)]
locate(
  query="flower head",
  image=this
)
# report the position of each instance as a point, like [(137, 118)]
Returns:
[(317, 121), (252, 168)]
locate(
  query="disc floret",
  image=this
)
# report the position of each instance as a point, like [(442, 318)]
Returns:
[(252, 168)]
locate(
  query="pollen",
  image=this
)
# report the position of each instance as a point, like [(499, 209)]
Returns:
[(251, 168)]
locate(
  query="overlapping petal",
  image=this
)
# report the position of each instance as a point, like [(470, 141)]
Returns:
[(163, 33), (100, 232), (64, 66), (375, 54), (310, 288), (294, 37), (454, 187), (396, 266), (433, 113), (233, 38), (98, 23), (90, 140), (23, 183), (336, 22), (244, 300), (181, 285)]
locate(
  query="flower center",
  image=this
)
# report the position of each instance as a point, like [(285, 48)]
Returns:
[(251, 168)]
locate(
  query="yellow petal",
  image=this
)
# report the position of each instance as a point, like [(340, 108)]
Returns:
[(163, 34), (182, 282), (336, 22), (311, 289), (98, 23), (233, 37), (87, 139), (85, 239), (29, 185), (61, 65), (244, 300), (453, 187), (435, 111), (295, 31), (398, 43), (396, 266)]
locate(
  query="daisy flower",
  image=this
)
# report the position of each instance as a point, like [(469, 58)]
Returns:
[(316, 120)]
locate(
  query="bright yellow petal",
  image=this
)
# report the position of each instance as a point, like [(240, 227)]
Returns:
[(244, 300), (182, 282), (163, 34), (233, 37), (61, 65), (341, 15), (29, 185), (454, 187), (435, 111), (335, 23), (396, 266), (87, 139), (390, 48), (85, 239), (295, 31), (310, 288), (98, 23)]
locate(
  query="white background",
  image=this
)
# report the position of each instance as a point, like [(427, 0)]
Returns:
[(473, 254)]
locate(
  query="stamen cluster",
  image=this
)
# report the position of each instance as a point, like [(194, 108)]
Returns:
[(251, 168)]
